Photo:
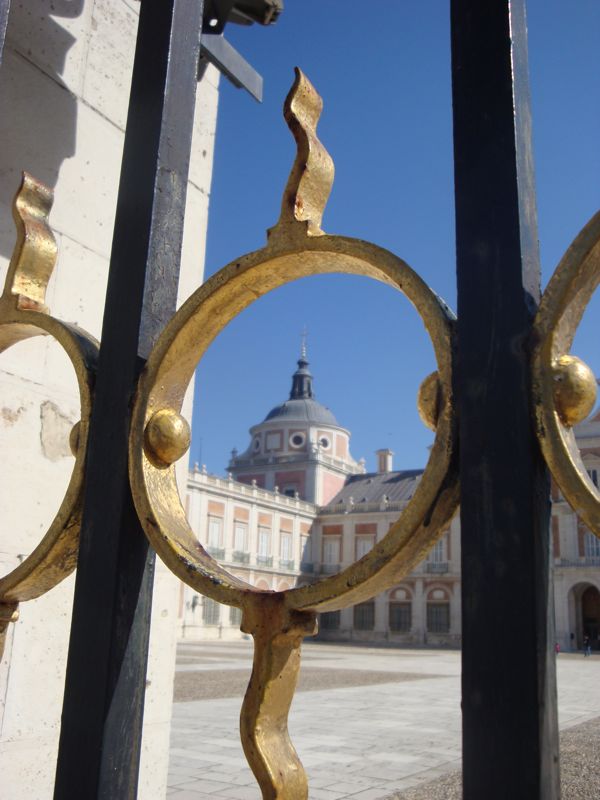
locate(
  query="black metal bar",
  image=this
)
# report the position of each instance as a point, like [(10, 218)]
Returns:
[(104, 693), (510, 739), (218, 51), (4, 9)]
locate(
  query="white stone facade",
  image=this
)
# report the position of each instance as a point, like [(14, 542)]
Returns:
[(64, 87), (260, 536)]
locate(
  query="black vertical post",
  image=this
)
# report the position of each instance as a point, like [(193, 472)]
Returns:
[(4, 9), (510, 739), (104, 694)]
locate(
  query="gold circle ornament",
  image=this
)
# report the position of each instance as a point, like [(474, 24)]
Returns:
[(297, 248), (23, 314), (172, 363), (563, 387)]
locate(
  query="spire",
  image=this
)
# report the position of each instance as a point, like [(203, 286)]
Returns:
[(302, 378)]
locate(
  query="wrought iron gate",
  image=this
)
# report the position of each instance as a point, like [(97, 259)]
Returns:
[(504, 356)]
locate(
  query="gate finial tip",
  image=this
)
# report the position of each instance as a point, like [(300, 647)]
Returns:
[(34, 255), (311, 177)]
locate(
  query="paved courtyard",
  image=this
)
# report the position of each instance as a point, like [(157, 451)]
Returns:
[(367, 722)]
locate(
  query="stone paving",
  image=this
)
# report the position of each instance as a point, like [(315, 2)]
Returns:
[(357, 738)]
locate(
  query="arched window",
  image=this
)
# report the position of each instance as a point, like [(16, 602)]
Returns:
[(400, 616), (400, 611), (438, 611)]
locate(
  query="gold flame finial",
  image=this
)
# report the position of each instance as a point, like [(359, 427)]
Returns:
[(311, 178), (35, 252)]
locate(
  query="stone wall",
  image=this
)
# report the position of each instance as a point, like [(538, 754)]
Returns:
[(64, 86)]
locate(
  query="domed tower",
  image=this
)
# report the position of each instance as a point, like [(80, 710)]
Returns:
[(299, 447)]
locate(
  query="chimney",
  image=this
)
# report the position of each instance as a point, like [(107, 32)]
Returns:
[(384, 460)]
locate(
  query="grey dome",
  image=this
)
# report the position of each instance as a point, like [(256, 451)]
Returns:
[(304, 410)]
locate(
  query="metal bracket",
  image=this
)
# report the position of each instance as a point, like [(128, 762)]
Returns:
[(215, 49)]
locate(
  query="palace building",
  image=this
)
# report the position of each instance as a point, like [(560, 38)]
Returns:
[(296, 506)]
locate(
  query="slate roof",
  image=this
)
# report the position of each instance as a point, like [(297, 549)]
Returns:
[(370, 488)]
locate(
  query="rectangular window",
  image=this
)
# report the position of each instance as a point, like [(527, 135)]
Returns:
[(235, 616), (364, 616), (363, 545), (438, 617), (264, 542), (329, 621), (240, 537), (211, 611), (331, 549), (400, 615), (215, 525), (593, 473), (286, 546), (436, 554), (592, 545), (274, 441)]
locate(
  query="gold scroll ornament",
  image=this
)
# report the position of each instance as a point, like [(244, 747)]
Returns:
[(564, 388), (278, 621), (23, 314)]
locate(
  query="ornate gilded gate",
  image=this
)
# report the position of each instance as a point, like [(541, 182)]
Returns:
[(505, 355)]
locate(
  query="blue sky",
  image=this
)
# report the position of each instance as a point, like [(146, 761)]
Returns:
[(385, 82)]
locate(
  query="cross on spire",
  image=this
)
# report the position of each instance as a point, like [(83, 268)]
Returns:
[(302, 378)]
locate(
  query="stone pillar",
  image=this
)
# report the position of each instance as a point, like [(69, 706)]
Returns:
[(66, 82)]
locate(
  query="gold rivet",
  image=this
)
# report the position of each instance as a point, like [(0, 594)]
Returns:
[(74, 438), (574, 389), (167, 436), (428, 400)]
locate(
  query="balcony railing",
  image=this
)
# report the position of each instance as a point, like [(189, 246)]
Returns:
[(437, 567), (357, 508), (307, 566), (329, 569), (240, 557), (584, 561), (265, 561), (216, 552), (286, 563)]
